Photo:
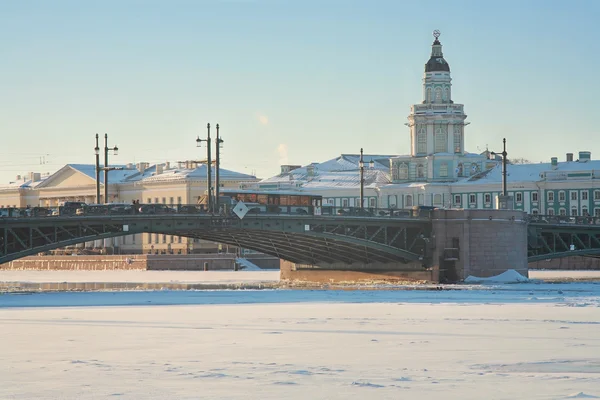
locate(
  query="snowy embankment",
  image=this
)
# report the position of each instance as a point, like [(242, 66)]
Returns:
[(141, 276)]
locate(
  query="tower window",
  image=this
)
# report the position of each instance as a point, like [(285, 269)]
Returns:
[(420, 171), (457, 139), (444, 170), (440, 140), (403, 171), (422, 141), (438, 95)]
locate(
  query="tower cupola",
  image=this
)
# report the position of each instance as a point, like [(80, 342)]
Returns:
[(436, 61)]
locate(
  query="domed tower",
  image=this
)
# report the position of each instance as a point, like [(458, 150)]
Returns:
[(437, 124)]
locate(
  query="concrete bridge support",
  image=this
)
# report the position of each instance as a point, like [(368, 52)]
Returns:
[(481, 243)]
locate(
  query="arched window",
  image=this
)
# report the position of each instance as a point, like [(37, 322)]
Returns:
[(408, 201), (440, 140), (457, 139), (550, 211), (438, 95), (422, 140), (428, 98), (403, 171), (437, 199), (420, 171), (446, 94)]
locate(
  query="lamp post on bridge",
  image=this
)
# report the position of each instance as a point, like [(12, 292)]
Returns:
[(361, 164), (218, 142), (105, 168), (208, 167), (504, 201)]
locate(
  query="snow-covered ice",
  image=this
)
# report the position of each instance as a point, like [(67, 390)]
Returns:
[(508, 276), (525, 341)]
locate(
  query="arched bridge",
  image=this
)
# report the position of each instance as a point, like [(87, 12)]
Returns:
[(562, 236), (308, 239)]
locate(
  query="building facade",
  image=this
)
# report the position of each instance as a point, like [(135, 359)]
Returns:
[(165, 183)]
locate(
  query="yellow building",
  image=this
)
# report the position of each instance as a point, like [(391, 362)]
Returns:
[(173, 184)]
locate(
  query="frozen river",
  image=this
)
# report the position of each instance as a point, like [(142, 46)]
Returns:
[(511, 341)]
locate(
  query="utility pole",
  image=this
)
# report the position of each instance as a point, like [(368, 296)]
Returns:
[(218, 142), (97, 152), (504, 154)]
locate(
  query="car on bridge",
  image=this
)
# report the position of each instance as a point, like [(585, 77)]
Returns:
[(156, 209)]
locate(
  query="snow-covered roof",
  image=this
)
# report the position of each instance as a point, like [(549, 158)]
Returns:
[(529, 172), (114, 176), (199, 172), (22, 184)]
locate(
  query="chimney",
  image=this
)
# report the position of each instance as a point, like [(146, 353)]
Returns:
[(310, 170), (142, 166), (18, 177), (159, 169), (167, 165), (585, 156), (554, 162), (129, 166), (569, 156)]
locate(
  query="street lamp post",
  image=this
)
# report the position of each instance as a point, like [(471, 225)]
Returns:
[(208, 167), (505, 200), (97, 152), (218, 142), (106, 168), (361, 165)]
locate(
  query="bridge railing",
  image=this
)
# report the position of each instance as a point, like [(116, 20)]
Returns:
[(196, 209), (564, 219)]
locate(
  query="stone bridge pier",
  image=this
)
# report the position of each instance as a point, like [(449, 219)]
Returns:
[(481, 243)]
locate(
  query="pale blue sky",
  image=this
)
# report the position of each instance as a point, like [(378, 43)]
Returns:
[(289, 82)]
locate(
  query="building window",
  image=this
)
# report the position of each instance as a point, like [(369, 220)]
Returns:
[(403, 171), (440, 140), (561, 196), (457, 198), (149, 200), (596, 212), (574, 211), (487, 198), (584, 195), (178, 199), (562, 212), (584, 211), (422, 140), (457, 138), (133, 239), (472, 199), (171, 200), (519, 197), (437, 199), (179, 239), (573, 196), (420, 169), (344, 202), (550, 211), (164, 200), (408, 201), (438, 95), (156, 200), (421, 199), (535, 211), (596, 195), (534, 197), (444, 170), (550, 196), (372, 203), (164, 238), (149, 237)]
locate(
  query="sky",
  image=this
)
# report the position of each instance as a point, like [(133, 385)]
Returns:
[(289, 82)]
